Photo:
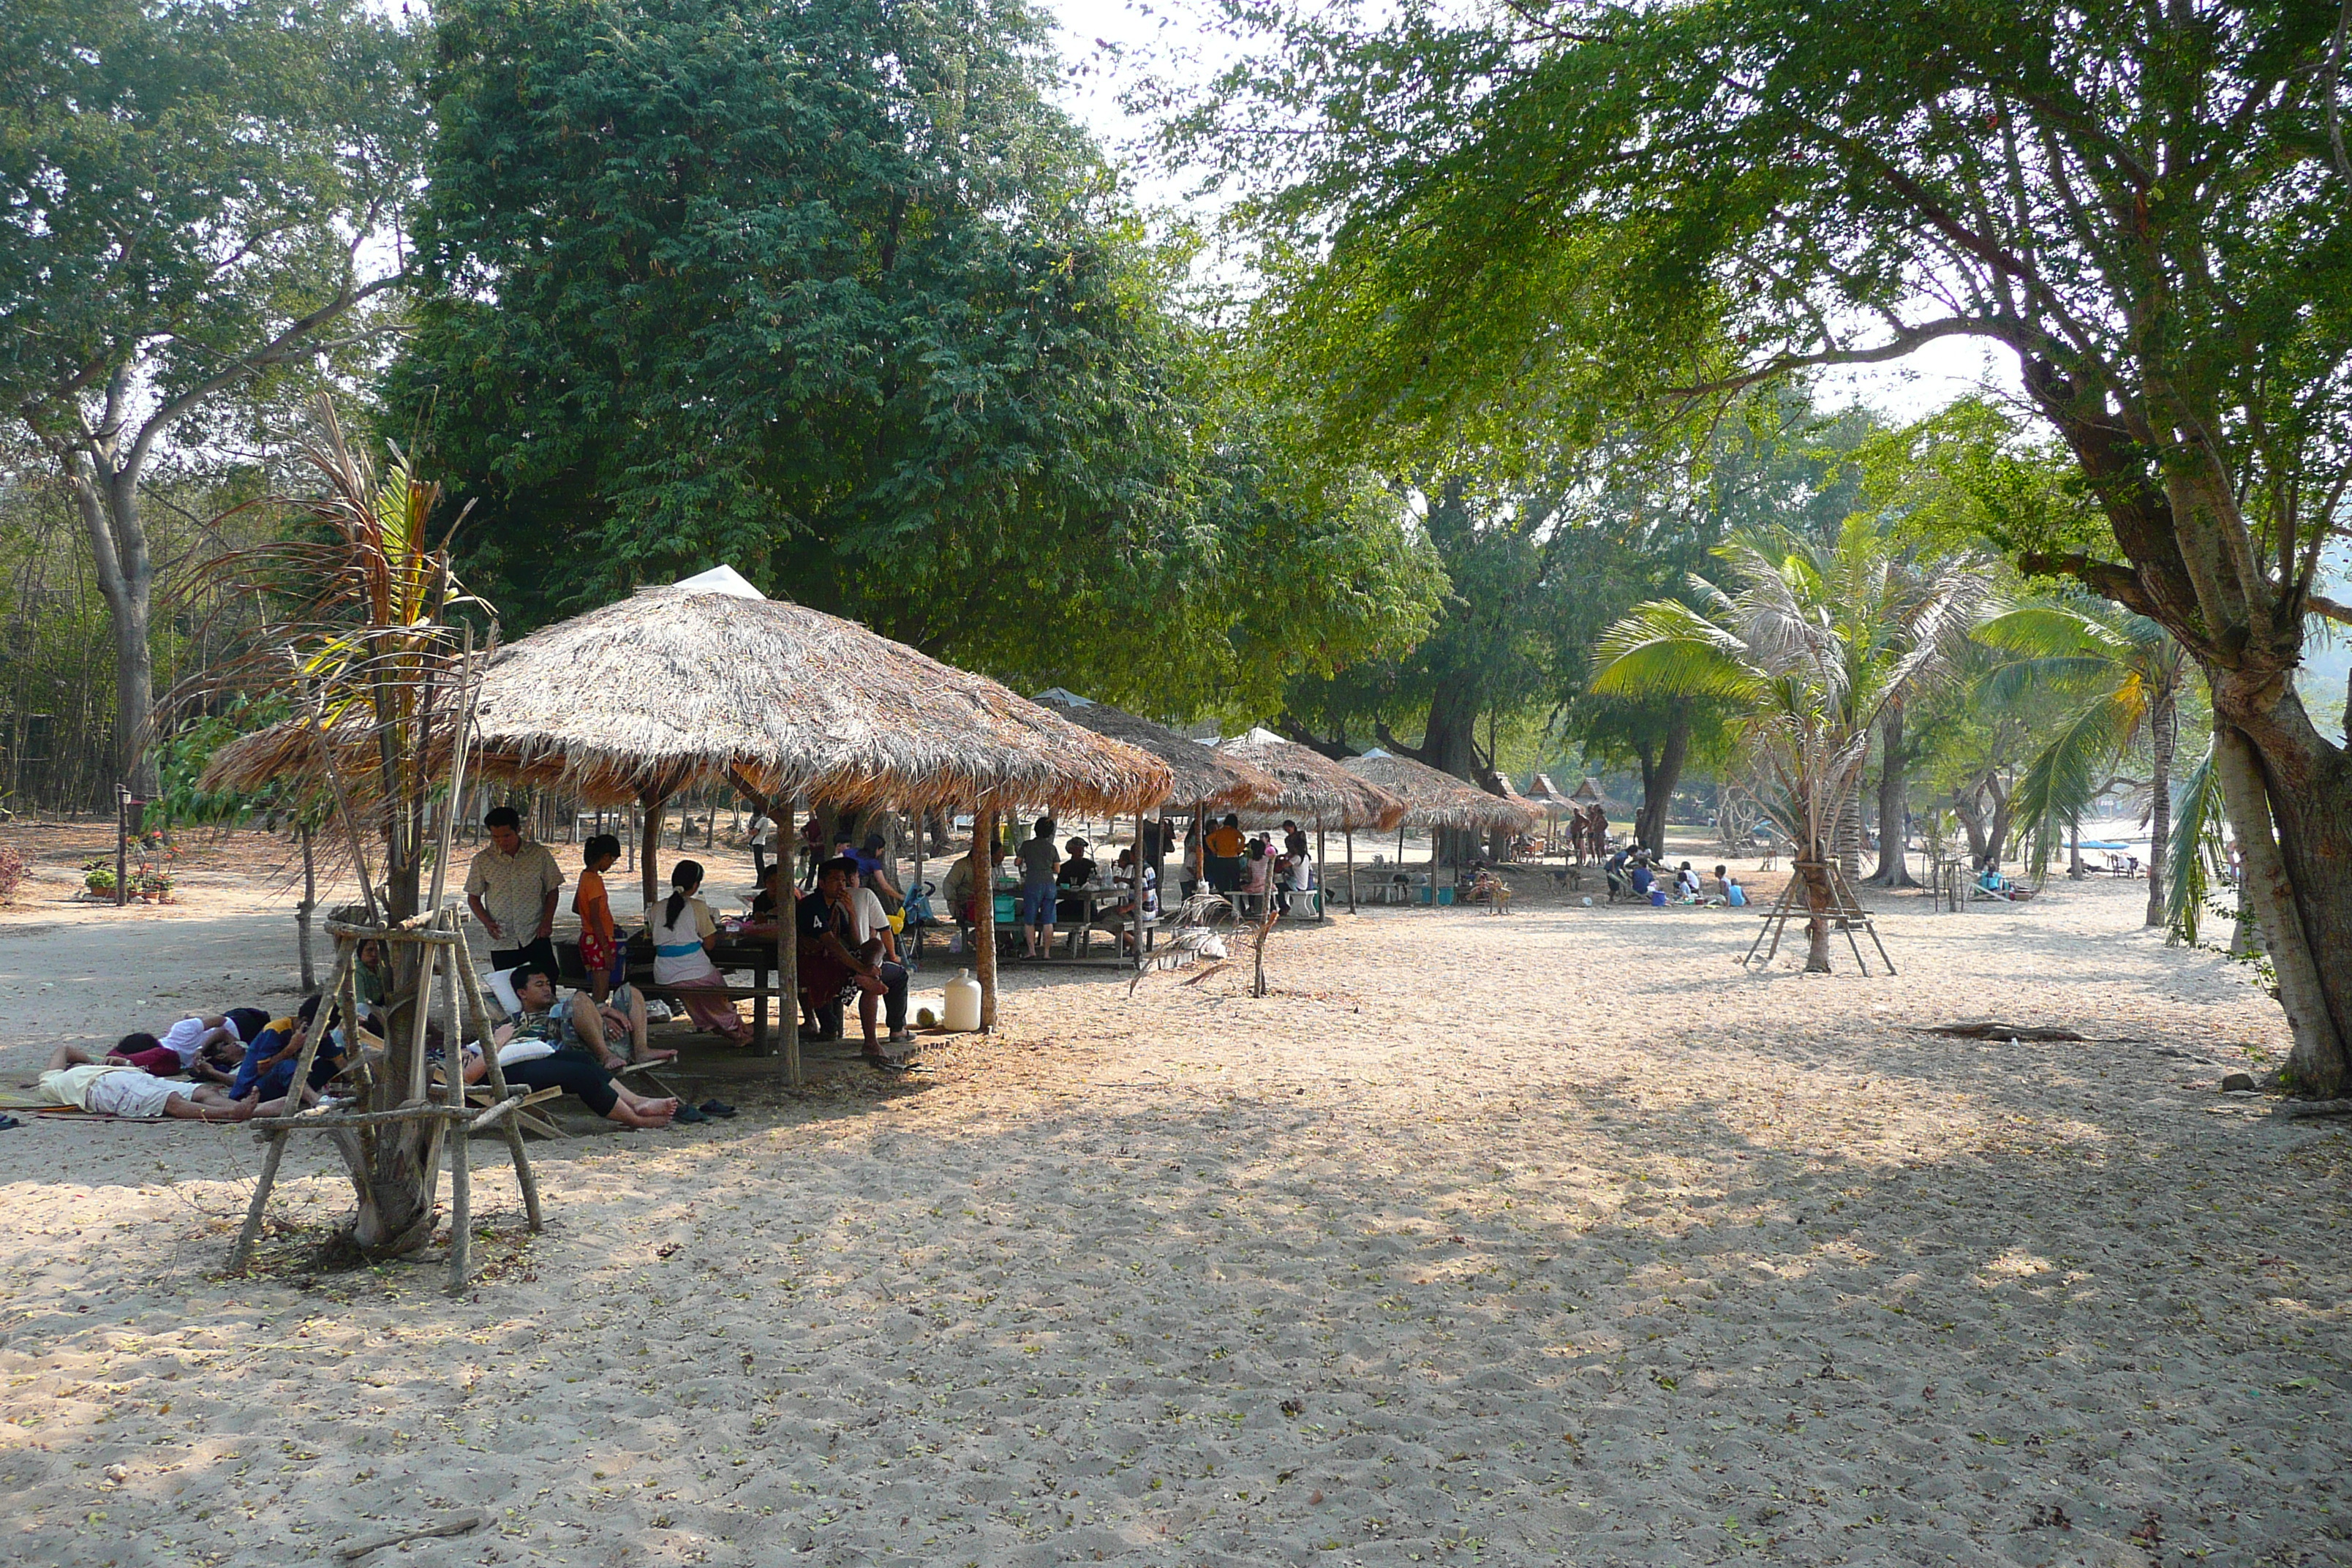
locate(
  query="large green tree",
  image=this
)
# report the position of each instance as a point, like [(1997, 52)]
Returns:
[(195, 197), (2149, 208), (834, 292)]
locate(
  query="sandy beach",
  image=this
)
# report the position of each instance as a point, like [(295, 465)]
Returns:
[(1551, 1237)]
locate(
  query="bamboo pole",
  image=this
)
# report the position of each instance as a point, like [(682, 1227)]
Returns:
[(1347, 838), (788, 949), (984, 927), (471, 986)]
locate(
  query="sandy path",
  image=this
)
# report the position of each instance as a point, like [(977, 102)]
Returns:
[(1492, 1240)]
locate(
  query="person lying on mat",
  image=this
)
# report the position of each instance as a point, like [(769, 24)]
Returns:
[(117, 1089), (545, 1047)]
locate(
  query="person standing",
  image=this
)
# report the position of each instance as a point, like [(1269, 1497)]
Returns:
[(1224, 846), (762, 832), (511, 888), (1041, 864)]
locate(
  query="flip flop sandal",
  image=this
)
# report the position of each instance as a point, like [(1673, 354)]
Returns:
[(717, 1108), (9, 1122), (885, 1064), (687, 1114)]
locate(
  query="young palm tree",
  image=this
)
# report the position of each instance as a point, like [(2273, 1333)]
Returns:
[(366, 650), (1810, 645), (2130, 673)]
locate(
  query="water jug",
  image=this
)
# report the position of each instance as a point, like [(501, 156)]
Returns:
[(963, 1006)]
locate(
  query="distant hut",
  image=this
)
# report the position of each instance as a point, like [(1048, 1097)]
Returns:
[(1436, 799), (1314, 786), (1204, 779)]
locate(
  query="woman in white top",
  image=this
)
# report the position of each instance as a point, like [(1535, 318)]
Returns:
[(684, 933)]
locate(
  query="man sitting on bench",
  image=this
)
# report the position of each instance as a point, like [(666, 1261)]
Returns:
[(845, 943)]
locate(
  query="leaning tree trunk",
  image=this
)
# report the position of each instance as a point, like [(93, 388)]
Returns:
[(2289, 793), (2163, 733), (1893, 801), (1658, 780)]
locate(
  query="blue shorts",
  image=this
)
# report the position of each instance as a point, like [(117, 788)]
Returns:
[(1037, 903)]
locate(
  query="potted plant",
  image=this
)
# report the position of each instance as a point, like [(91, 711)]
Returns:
[(98, 876)]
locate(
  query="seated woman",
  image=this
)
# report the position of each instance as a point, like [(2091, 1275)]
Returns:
[(1257, 871), (684, 933)]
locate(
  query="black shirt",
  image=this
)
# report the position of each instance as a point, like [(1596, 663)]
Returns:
[(1076, 872)]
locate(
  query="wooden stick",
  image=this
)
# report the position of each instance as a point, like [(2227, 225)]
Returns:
[(494, 1115), (346, 958), (241, 1253), (458, 1524), (983, 926), (471, 986), (336, 1121), (461, 1207)]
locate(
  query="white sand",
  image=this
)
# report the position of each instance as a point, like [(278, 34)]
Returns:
[(1484, 1240)]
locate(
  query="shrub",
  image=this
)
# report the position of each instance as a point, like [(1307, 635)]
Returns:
[(12, 871)]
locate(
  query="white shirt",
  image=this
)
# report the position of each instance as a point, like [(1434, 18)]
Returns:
[(185, 1036), (867, 916)]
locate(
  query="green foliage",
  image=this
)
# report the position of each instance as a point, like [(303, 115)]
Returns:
[(180, 185), (182, 759), (1583, 211), (1810, 649), (2199, 851), (834, 294)]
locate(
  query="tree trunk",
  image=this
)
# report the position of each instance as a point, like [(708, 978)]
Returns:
[(1659, 777), (109, 504), (650, 846), (2163, 735), (302, 911), (1894, 804), (2290, 801), (1813, 867)]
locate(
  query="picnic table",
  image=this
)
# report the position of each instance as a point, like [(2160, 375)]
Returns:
[(733, 953)]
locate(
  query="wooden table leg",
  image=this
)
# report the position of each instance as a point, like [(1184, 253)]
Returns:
[(760, 1010)]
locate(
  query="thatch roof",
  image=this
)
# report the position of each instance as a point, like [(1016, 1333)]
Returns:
[(689, 687), (1590, 792), (1435, 798), (1313, 785), (1202, 776), (1543, 792)]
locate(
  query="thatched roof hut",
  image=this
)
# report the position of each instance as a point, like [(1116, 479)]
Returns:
[(1203, 776), (676, 689), (682, 688), (1313, 785), (1435, 798), (1590, 792)]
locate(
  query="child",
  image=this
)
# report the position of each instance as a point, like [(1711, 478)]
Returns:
[(1733, 893), (182, 1045), (600, 945)]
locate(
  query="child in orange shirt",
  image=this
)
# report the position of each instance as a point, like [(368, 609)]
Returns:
[(600, 946)]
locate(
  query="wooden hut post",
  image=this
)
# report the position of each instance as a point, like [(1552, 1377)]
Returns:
[(1347, 837), (983, 924), (788, 946), (650, 845), (1322, 868)]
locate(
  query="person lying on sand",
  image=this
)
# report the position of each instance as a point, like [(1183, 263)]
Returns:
[(195, 1045), (119, 1088), (542, 1046)]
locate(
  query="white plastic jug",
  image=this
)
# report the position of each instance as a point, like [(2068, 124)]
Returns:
[(962, 1005)]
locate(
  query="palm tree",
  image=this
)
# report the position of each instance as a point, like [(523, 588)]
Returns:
[(2130, 674), (1810, 647)]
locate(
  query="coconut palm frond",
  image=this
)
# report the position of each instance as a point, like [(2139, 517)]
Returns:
[(2063, 778), (1667, 648), (2197, 852)]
